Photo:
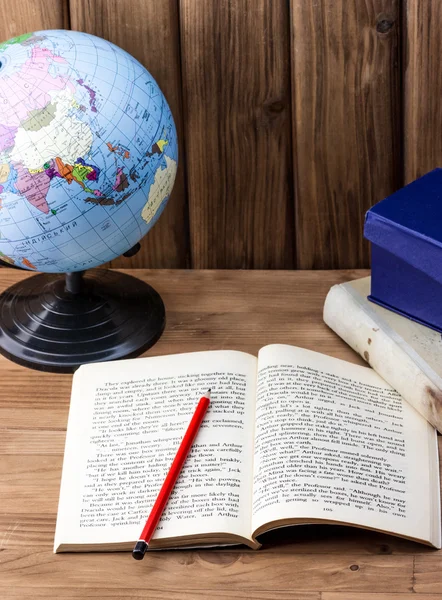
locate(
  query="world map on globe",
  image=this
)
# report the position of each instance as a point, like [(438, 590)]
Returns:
[(88, 151)]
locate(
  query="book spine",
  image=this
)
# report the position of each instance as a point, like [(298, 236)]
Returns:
[(364, 333)]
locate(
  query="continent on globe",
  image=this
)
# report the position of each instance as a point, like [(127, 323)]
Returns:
[(38, 118), (66, 136), (121, 182), (92, 95), (36, 69), (7, 137), (101, 200), (119, 150), (78, 172), (160, 189), (92, 171), (4, 172), (157, 148), (105, 201), (33, 186)]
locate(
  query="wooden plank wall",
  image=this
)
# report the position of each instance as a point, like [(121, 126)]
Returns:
[(294, 117), (347, 123)]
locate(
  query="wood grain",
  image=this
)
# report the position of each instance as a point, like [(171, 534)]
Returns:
[(422, 87), (207, 570), (346, 123), (19, 441), (369, 596), (427, 574), (236, 91), (205, 309), (149, 32), (21, 16), (133, 593)]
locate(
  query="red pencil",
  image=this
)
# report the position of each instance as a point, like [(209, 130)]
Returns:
[(169, 483)]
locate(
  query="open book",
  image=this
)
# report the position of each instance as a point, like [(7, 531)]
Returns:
[(291, 437)]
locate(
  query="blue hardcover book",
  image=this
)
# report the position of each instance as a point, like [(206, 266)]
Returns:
[(405, 230)]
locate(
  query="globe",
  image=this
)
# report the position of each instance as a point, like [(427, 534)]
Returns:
[(88, 151), (88, 159)]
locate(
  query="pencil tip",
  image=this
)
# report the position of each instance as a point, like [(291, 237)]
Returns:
[(208, 393)]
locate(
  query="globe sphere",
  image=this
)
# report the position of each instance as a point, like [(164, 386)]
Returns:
[(88, 151)]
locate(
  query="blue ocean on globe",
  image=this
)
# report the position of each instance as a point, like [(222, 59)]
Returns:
[(88, 151)]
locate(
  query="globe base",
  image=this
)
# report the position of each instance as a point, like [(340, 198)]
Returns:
[(52, 324)]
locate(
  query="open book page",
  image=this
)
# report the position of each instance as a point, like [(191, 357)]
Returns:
[(126, 422), (334, 441)]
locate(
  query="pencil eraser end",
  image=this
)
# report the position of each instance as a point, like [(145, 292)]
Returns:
[(140, 550)]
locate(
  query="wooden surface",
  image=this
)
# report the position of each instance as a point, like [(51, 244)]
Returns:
[(423, 87), (205, 310), (293, 117), (236, 87), (346, 106)]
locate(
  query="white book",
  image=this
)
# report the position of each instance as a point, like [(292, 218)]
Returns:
[(406, 354)]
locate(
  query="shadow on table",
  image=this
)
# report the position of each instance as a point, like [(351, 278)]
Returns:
[(322, 539)]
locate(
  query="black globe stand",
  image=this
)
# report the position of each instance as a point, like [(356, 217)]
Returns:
[(54, 323)]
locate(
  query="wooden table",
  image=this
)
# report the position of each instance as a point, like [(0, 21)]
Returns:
[(206, 310)]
